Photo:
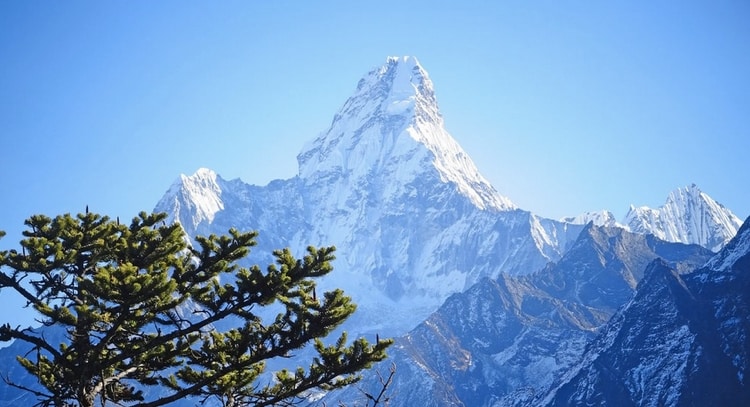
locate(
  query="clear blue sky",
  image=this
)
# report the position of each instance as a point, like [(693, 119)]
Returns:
[(564, 106)]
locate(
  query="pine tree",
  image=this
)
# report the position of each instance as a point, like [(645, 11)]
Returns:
[(139, 308)]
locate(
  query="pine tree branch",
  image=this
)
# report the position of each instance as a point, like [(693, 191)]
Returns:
[(7, 333), (115, 378), (119, 290), (280, 349), (247, 301), (40, 395), (384, 383), (15, 284), (196, 387)]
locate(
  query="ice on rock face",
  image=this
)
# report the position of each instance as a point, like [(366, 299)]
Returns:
[(738, 247), (403, 92)]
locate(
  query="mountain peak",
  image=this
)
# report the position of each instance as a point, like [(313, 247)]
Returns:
[(193, 199), (688, 193), (688, 216), (392, 127), (400, 78), (405, 60), (408, 85)]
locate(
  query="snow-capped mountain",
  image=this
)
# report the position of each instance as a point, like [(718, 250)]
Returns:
[(201, 194), (416, 224), (681, 340), (392, 126), (504, 341), (688, 216), (518, 297), (411, 216)]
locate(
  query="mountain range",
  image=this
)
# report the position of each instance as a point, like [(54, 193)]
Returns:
[(688, 216), (410, 215), (504, 341), (494, 304), (682, 339), (502, 302), (491, 305)]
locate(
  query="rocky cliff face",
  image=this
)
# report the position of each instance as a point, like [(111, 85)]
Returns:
[(504, 341), (681, 340)]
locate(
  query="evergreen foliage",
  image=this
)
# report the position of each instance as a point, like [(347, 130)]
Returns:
[(139, 307)]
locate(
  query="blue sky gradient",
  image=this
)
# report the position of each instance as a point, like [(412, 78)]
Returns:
[(564, 106)]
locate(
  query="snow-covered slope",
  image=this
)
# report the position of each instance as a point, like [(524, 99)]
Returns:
[(681, 340), (688, 216), (411, 216)]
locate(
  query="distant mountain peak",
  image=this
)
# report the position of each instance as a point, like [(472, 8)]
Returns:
[(687, 193), (405, 81), (392, 127), (194, 198), (688, 216)]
